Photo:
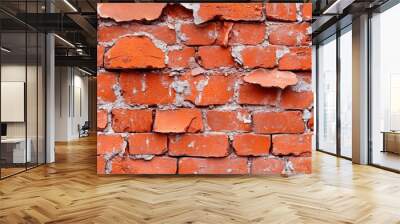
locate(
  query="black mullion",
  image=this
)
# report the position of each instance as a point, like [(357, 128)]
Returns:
[(26, 87), (37, 90), (338, 100), (316, 131), (369, 91)]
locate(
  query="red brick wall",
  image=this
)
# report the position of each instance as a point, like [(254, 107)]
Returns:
[(210, 88)]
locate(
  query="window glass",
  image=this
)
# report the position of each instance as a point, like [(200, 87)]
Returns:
[(346, 93), (327, 96), (385, 89)]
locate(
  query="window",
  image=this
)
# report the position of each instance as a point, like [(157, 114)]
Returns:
[(346, 92), (327, 95), (385, 89)]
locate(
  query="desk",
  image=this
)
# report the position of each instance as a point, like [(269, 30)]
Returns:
[(391, 141), (13, 150)]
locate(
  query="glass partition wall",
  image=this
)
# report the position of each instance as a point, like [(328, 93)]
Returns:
[(334, 93), (22, 77), (385, 90)]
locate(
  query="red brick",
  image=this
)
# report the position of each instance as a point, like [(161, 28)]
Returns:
[(296, 59), (178, 121), (101, 119), (181, 58), (224, 33), (281, 11), (257, 95), (288, 144), (127, 120), (296, 100), (110, 144), (160, 32), (251, 144), (122, 12), (178, 12), (105, 87), (256, 56), (157, 165), (147, 144), (100, 55), (239, 120), (101, 164), (134, 52), (271, 78), (306, 10), (290, 34), (228, 165), (278, 122), (193, 35), (146, 88), (229, 11), (210, 90), (247, 33), (264, 166), (215, 57), (201, 145), (301, 164)]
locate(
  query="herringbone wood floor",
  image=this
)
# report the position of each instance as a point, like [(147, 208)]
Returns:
[(69, 191)]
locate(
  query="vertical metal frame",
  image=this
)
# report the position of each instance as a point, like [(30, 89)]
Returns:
[(44, 74), (338, 153), (316, 107), (380, 9), (338, 100)]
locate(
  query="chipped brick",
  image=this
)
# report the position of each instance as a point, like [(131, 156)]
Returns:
[(271, 78), (134, 52), (122, 12), (178, 121)]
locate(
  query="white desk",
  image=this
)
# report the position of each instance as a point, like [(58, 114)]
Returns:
[(18, 149)]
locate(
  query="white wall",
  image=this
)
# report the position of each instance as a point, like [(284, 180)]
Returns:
[(71, 94)]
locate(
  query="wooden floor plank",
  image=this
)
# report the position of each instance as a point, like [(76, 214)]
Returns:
[(69, 191)]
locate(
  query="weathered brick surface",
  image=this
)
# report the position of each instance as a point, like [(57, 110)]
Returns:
[(127, 120), (134, 52), (147, 144), (146, 88), (281, 11), (178, 121), (108, 144), (296, 59), (258, 56), (101, 119), (199, 145), (278, 122), (251, 144), (236, 165), (238, 120), (214, 57), (181, 58), (106, 81), (290, 34), (247, 33), (195, 35), (264, 166), (291, 144), (204, 88)]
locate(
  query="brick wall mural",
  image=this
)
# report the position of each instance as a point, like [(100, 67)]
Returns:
[(204, 88)]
